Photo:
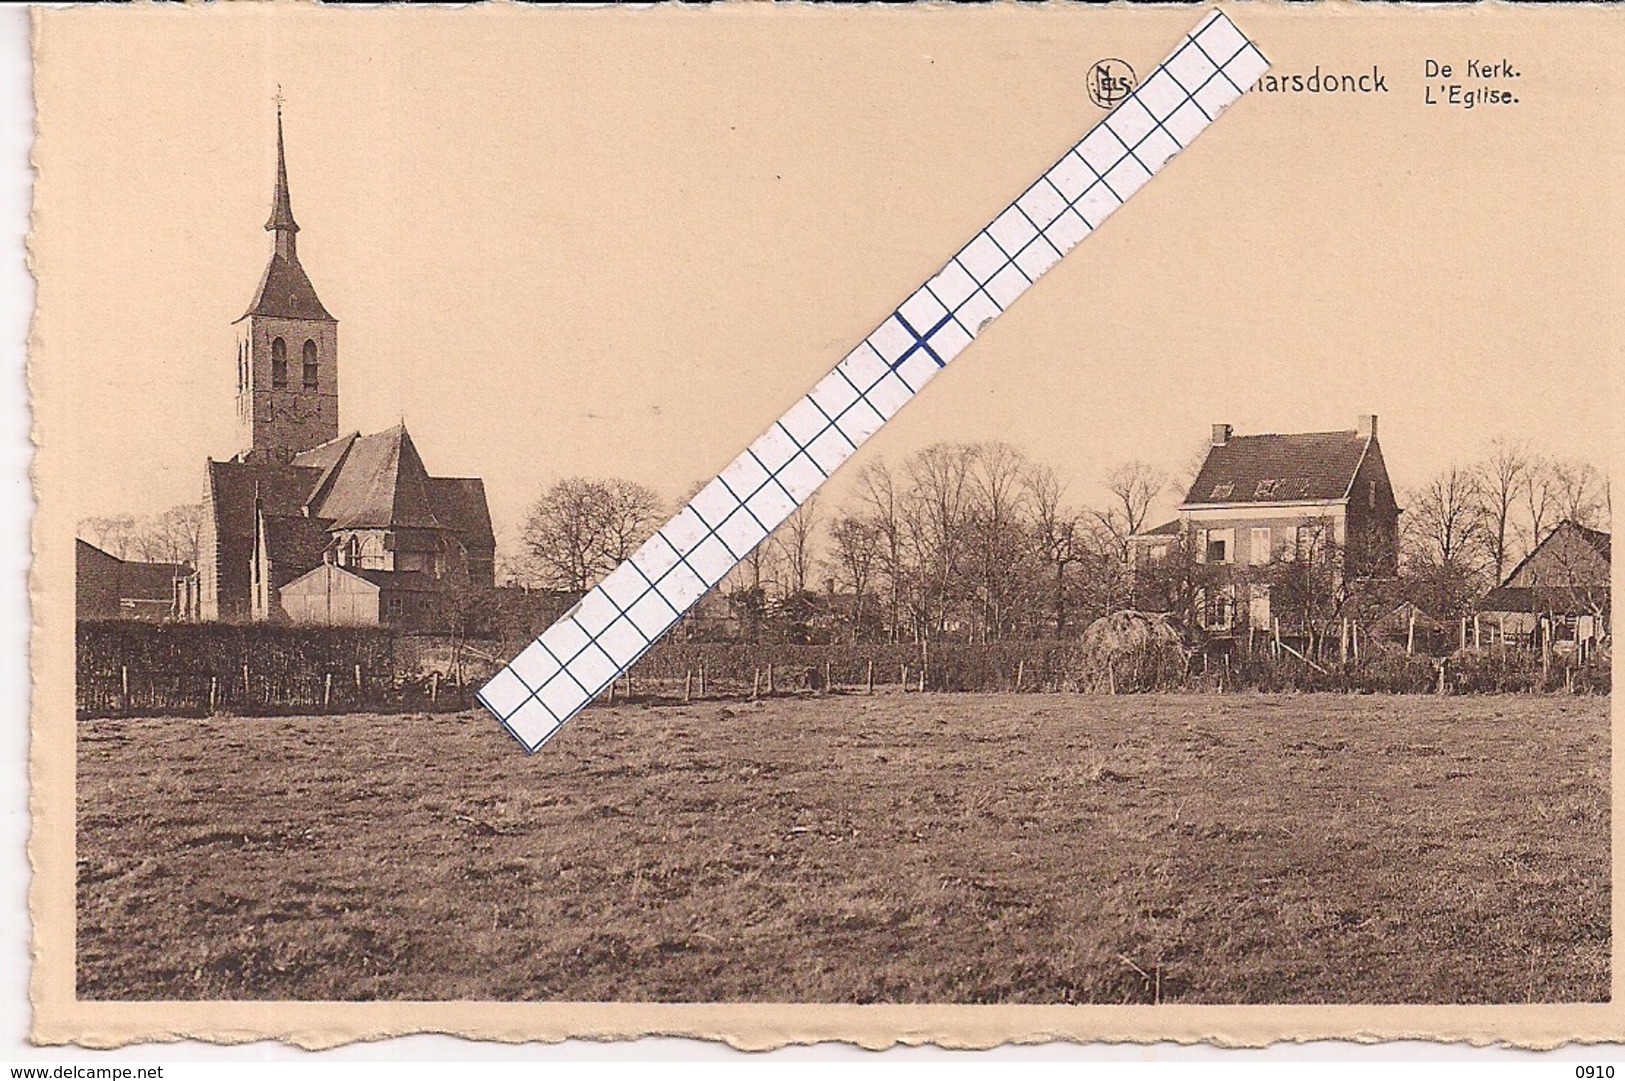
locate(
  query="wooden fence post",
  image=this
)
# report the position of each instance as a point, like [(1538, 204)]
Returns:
[(702, 679), (1478, 638), (214, 692), (434, 687), (770, 679), (1021, 673), (1410, 636), (611, 693), (902, 677), (248, 694), (828, 683), (688, 686), (124, 685), (755, 683), (869, 678), (327, 690), (922, 679)]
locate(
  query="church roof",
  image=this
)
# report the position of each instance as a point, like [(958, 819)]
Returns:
[(379, 482), (285, 292)]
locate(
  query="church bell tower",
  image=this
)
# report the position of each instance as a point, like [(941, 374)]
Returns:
[(287, 348)]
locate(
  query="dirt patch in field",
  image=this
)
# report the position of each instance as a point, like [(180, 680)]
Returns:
[(931, 848)]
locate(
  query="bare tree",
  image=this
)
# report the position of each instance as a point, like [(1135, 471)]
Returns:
[(1000, 533), (114, 535), (1582, 492), (1058, 535), (581, 529), (1498, 479), (857, 543), (1134, 487), (794, 541), (882, 503), (938, 515), (1444, 540), (1539, 501)]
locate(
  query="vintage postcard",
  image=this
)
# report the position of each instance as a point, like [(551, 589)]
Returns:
[(1219, 648)]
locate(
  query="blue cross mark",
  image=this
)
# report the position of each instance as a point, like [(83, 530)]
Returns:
[(920, 340)]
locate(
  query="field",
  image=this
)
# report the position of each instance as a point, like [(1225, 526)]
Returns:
[(920, 848)]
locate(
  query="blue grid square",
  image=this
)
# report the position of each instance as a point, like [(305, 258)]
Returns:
[(741, 533), (711, 560), (1129, 177), (1037, 257), (1245, 69), (976, 312), (1101, 149), (745, 474), (1160, 95), (535, 665), (563, 695), (891, 340), (622, 587), (1007, 285), (833, 394), (803, 421), (982, 258), (1130, 121), (503, 693), (1190, 67), (773, 448), (952, 284), (594, 612), (713, 504), (1012, 231), (564, 639), (1097, 204), (1187, 123), (1155, 149), (532, 722), (917, 371), (622, 642), (1041, 202), (771, 505), (800, 477), (592, 668), (682, 587), (950, 339), (1072, 176), (863, 368), (1216, 95), (1065, 231), (888, 396), (831, 448), (651, 615), (1220, 39), (654, 558), (684, 531), (922, 310), (861, 421)]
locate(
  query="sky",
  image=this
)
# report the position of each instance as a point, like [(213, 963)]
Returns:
[(621, 243)]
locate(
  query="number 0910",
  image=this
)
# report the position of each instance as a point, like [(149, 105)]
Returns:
[(1594, 1073)]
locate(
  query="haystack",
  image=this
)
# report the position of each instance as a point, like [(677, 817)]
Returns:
[(1131, 651)]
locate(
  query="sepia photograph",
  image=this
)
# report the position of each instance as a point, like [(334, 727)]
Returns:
[(1228, 622)]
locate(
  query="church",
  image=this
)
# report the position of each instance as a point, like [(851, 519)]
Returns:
[(305, 525)]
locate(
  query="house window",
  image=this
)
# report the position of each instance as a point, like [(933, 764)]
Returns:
[(279, 363), (310, 364), (394, 606), (1259, 546), (1266, 489), (1303, 544), (1220, 544), (423, 604), (1222, 491)]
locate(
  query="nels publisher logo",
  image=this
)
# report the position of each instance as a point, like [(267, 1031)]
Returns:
[(1110, 81)]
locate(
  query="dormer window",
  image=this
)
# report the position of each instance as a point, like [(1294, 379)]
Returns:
[(1266, 489), (1222, 491)]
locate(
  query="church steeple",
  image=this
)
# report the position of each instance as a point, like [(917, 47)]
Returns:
[(287, 346), (281, 221)]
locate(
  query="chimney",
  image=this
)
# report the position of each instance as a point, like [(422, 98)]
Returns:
[(1368, 426), (1221, 434)]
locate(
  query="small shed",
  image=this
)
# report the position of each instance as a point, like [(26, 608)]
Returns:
[(334, 596)]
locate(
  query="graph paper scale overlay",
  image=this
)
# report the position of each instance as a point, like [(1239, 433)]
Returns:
[(577, 658)]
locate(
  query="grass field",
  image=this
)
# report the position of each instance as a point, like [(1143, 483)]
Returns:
[(928, 848)]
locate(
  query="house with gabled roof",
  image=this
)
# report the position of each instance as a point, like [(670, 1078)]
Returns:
[(360, 512), (1559, 592), (1262, 502)]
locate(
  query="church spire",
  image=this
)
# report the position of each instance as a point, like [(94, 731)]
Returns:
[(281, 221)]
